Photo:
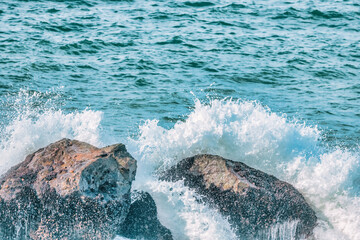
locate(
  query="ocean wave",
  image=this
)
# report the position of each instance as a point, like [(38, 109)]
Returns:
[(249, 132)]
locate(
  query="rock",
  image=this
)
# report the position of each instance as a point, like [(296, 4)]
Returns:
[(142, 222), (252, 200), (67, 190)]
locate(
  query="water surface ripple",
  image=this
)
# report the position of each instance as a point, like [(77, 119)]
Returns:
[(136, 60)]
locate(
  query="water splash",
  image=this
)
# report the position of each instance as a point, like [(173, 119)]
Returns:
[(248, 132), (239, 130), (35, 123), (183, 212)]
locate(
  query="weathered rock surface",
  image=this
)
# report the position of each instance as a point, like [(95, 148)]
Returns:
[(142, 222), (67, 190), (252, 200)]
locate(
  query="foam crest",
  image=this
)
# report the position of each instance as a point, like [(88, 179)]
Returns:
[(239, 130), (31, 128)]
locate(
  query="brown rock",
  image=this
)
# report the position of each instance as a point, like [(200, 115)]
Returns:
[(252, 200), (67, 190)]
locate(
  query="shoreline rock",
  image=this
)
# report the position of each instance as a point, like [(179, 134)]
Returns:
[(252, 200), (142, 221), (67, 190)]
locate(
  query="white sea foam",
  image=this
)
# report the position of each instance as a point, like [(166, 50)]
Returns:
[(34, 127), (242, 131), (181, 211), (248, 132)]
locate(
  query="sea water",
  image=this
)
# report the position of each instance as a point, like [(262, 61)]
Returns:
[(273, 84)]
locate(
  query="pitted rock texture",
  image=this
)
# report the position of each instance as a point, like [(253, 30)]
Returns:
[(142, 221), (252, 200), (67, 190)]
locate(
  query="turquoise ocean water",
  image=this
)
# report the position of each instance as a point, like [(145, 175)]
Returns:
[(275, 84)]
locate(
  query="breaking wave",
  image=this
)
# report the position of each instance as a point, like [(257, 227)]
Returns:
[(248, 132)]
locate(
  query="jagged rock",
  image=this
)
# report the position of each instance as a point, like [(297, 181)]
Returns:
[(252, 200), (67, 190), (142, 222)]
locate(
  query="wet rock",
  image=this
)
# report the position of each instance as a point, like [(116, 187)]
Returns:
[(142, 222), (67, 190), (253, 201)]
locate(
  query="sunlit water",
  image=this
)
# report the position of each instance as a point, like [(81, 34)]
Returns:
[(273, 84)]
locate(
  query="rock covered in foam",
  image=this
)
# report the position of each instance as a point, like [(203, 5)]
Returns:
[(67, 190), (254, 202), (142, 221)]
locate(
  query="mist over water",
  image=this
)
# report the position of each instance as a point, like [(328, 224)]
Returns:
[(273, 84)]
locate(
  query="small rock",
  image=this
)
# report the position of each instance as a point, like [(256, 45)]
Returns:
[(142, 221)]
